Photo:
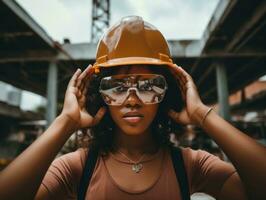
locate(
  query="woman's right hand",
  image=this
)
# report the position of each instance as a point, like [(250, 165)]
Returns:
[(75, 99)]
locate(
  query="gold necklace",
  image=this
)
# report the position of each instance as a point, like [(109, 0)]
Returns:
[(136, 165)]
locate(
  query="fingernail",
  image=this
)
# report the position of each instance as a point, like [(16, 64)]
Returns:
[(90, 69)]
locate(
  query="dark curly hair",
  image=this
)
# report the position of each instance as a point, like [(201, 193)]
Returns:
[(101, 136)]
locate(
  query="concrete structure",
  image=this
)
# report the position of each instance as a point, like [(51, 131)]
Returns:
[(26, 51)]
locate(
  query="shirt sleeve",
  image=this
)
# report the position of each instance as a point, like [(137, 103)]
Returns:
[(62, 178), (206, 173)]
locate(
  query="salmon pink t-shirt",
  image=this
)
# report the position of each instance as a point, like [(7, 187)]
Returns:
[(206, 173)]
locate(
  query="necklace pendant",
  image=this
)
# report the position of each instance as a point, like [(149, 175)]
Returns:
[(137, 167)]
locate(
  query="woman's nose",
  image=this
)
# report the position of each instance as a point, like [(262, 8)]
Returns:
[(132, 99)]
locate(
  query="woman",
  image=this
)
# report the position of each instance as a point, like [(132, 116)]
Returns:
[(130, 123)]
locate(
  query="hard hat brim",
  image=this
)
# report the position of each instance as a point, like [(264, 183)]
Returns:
[(132, 61)]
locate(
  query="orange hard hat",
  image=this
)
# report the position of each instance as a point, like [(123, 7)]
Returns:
[(132, 41)]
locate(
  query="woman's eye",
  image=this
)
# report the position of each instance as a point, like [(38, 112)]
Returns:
[(145, 87), (120, 89)]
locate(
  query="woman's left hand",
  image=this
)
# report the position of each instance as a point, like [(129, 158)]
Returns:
[(189, 95)]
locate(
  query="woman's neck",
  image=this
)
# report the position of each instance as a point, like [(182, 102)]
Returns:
[(135, 145)]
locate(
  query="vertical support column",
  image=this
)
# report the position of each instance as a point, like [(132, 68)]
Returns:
[(222, 88), (51, 93)]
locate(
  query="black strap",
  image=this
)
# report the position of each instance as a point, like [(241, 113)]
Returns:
[(180, 172), (87, 173), (178, 163)]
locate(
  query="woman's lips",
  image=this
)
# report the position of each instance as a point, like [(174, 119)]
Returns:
[(133, 120)]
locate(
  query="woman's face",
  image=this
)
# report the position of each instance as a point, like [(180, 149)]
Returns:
[(133, 117)]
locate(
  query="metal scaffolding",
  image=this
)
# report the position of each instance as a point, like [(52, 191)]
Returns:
[(100, 18)]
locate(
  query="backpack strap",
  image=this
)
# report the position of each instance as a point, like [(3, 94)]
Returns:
[(180, 172), (87, 173)]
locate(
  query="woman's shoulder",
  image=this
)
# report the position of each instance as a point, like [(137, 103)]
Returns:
[(202, 160), (195, 155), (206, 172), (73, 161), (65, 172), (75, 157), (191, 154)]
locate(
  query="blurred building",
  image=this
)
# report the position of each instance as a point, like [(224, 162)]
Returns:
[(14, 135)]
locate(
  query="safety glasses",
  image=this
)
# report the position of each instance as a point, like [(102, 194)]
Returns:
[(149, 88)]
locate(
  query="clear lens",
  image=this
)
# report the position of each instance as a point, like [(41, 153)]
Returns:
[(150, 88)]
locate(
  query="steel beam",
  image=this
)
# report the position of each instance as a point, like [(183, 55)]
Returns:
[(26, 56), (100, 18), (8, 35), (222, 10), (10, 111), (239, 36), (87, 51)]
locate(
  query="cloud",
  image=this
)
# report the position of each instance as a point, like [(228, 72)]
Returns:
[(177, 19), (61, 18)]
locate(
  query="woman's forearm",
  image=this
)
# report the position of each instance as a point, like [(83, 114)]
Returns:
[(248, 156), (22, 178)]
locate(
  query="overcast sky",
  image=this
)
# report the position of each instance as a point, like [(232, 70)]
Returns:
[(176, 19)]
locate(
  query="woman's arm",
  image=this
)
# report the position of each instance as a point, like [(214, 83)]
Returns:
[(22, 178), (248, 156)]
